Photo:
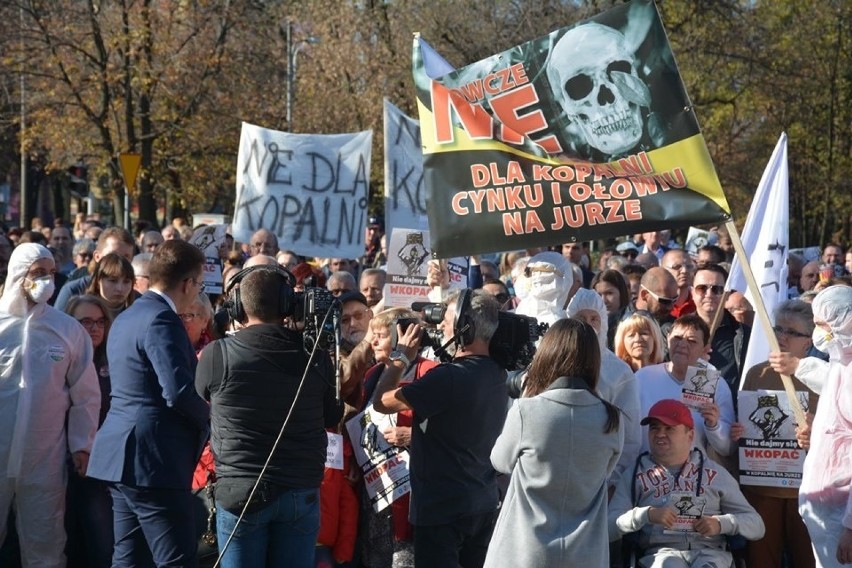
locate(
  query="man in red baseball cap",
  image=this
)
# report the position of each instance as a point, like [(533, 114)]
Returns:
[(670, 412), (681, 502)]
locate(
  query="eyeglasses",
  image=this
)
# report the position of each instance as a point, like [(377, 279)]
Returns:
[(789, 332), (679, 267), (704, 288), (661, 299), (201, 285), (90, 324), (188, 317)]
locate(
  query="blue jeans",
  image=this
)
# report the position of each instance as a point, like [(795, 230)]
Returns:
[(284, 533)]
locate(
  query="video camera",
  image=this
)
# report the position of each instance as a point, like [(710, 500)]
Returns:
[(316, 308), (512, 346), (315, 311), (429, 337)]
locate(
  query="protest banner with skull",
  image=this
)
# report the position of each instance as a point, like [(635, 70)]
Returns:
[(593, 74), (584, 133)]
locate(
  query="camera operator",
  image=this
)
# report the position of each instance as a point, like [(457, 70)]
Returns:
[(256, 380), (459, 408)]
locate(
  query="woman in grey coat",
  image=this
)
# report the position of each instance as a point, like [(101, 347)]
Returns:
[(560, 442)]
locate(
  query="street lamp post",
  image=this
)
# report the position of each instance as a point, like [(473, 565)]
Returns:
[(22, 211), (292, 53)]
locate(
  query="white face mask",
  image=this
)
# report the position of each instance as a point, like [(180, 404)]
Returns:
[(40, 290), (823, 340), (545, 287)]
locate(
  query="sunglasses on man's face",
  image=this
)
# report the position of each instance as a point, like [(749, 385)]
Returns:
[(661, 299), (704, 288)]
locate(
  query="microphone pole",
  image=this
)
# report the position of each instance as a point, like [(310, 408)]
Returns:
[(335, 318)]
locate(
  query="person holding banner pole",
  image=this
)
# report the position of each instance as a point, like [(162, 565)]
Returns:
[(778, 506), (825, 497)]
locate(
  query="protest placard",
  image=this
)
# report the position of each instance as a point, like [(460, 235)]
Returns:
[(334, 451), (409, 253), (311, 190), (768, 451), (697, 238), (688, 507), (405, 194), (408, 256), (699, 385), (210, 240), (384, 466)]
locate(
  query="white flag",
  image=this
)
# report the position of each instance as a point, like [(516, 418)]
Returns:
[(766, 242), (405, 195)]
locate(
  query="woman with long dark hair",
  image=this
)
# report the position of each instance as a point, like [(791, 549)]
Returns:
[(560, 442)]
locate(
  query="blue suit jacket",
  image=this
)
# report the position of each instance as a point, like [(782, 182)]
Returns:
[(157, 424)]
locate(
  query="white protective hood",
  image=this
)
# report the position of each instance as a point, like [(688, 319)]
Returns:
[(834, 306), (589, 300), (13, 300), (550, 279)]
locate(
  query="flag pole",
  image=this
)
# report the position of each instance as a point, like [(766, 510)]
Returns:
[(763, 315), (717, 317)]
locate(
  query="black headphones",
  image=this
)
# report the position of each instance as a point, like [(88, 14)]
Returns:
[(463, 327), (286, 297)]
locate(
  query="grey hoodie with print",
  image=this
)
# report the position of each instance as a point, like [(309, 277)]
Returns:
[(715, 492)]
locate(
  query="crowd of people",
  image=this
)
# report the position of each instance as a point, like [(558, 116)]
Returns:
[(150, 423)]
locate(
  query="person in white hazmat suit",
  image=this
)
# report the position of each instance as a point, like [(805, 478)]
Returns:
[(49, 402), (549, 280), (617, 383), (825, 496)]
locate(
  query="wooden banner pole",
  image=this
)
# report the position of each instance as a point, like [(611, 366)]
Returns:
[(763, 315)]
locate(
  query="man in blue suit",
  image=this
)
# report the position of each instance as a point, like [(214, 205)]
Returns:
[(157, 424)]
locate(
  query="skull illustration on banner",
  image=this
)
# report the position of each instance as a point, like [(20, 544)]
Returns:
[(592, 70), (595, 74)]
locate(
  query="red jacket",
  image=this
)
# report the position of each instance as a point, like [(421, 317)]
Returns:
[(339, 509)]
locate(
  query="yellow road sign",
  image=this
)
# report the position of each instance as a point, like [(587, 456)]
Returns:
[(130, 163)]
